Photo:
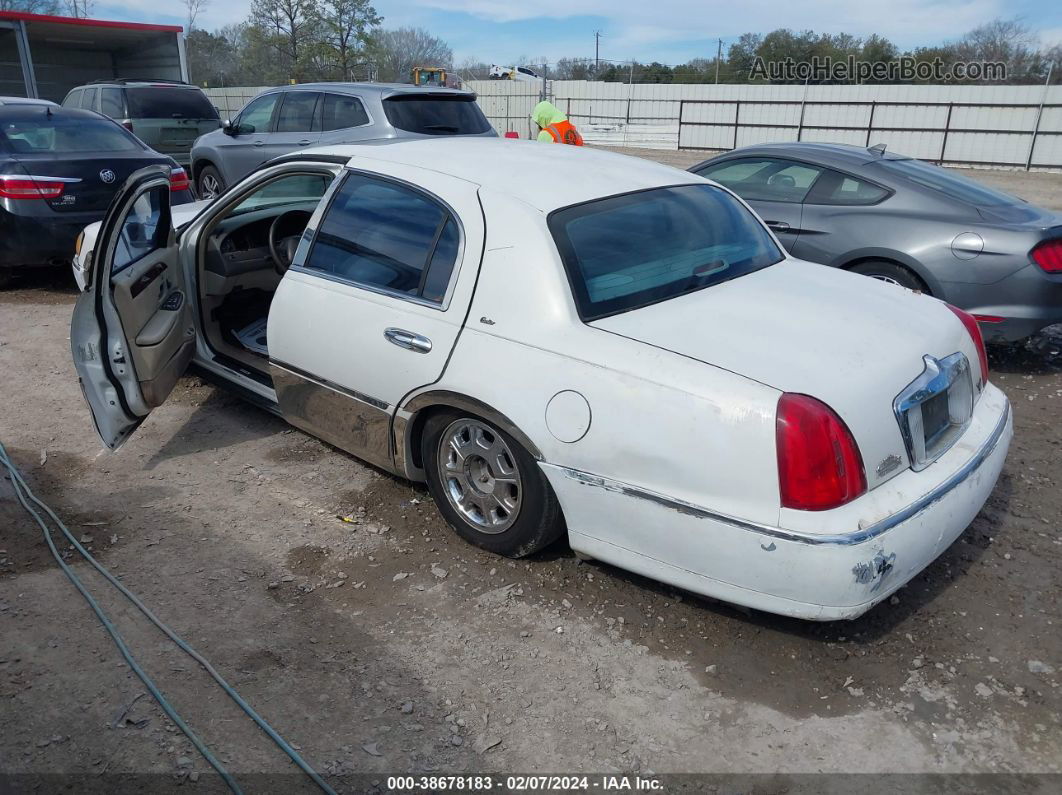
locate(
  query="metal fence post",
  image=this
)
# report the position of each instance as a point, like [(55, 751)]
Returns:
[(682, 107), (508, 117), (870, 121), (947, 126), (737, 121), (1039, 114), (803, 102)]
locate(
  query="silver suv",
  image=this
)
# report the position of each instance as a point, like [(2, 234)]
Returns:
[(166, 115), (285, 119)]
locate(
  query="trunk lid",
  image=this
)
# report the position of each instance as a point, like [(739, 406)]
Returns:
[(100, 174), (850, 341)]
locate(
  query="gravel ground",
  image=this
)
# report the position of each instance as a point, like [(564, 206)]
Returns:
[(387, 645)]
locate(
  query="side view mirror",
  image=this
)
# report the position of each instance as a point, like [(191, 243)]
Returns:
[(82, 262), (228, 127)]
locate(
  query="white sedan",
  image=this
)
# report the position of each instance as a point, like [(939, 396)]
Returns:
[(563, 342)]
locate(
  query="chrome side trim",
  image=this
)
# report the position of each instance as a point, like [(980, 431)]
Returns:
[(842, 539)]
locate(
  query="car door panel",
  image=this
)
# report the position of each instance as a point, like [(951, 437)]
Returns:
[(785, 219), (294, 127), (343, 355), (131, 332)]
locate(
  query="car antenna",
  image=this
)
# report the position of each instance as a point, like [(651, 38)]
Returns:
[(878, 149), (48, 111)]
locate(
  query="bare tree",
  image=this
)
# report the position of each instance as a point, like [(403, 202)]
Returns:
[(193, 9), (79, 8), (345, 25), (398, 51), (289, 26), (30, 6)]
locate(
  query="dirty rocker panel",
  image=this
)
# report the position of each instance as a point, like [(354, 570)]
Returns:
[(351, 421), (843, 539)]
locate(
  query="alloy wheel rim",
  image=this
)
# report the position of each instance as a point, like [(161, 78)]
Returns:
[(210, 187), (480, 476), (886, 279)]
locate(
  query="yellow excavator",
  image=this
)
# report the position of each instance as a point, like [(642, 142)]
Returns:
[(429, 76)]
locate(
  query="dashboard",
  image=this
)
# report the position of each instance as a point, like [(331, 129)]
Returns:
[(240, 243)]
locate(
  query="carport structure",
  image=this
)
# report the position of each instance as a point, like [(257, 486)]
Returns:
[(45, 56)]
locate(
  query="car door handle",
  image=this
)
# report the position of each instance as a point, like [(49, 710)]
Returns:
[(305, 142), (408, 340), (777, 226), (259, 143)]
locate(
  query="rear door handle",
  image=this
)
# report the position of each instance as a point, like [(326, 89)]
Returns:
[(259, 143), (305, 142), (408, 340), (777, 226)]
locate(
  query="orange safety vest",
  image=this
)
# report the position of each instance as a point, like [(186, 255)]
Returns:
[(564, 132)]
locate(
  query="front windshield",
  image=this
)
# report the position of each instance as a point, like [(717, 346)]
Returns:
[(294, 189), (948, 182), (636, 249)]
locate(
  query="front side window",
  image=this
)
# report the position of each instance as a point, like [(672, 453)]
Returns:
[(256, 116), (145, 229), (88, 99), (387, 236), (764, 178), (73, 99), (341, 112), (629, 251), (297, 112)]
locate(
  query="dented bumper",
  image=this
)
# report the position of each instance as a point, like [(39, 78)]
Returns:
[(827, 566)]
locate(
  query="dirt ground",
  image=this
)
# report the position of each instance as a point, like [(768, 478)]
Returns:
[(390, 646)]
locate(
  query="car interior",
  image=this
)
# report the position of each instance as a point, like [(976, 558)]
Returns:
[(244, 254)]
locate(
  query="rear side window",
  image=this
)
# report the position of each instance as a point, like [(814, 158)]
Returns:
[(765, 179), (386, 236), (629, 251), (341, 112), (63, 134), (438, 114), (112, 103), (168, 102), (88, 99), (947, 182), (833, 187)]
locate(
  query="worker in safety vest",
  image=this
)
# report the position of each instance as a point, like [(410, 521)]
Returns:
[(554, 127)]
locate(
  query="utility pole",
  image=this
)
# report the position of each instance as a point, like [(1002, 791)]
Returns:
[(718, 58), (597, 52)]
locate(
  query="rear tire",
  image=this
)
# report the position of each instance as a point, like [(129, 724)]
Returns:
[(891, 272), (488, 487), (209, 183)]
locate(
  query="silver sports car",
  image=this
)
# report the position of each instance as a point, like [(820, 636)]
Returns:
[(907, 221)]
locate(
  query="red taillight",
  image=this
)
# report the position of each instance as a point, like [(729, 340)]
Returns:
[(970, 322), (30, 188), (178, 180), (1048, 255), (127, 124), (819, 465)]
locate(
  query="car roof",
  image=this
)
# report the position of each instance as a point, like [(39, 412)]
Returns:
[(53, 111), (26, 101), (827, 154), (381, 89), (544, 176)]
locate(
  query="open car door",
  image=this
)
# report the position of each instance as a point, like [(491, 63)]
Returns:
[(132, 334)]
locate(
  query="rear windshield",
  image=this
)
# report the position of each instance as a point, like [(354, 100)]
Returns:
[(955, 186), (163, 102), (441, 114), (633, 250), (66, 135)]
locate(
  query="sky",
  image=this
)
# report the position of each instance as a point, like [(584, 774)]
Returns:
[(669, 31)]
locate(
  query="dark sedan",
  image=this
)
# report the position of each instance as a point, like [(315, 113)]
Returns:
[(59, 169), (909, 222)]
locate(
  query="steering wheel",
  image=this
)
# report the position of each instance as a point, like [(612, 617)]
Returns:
[(282, 242)]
